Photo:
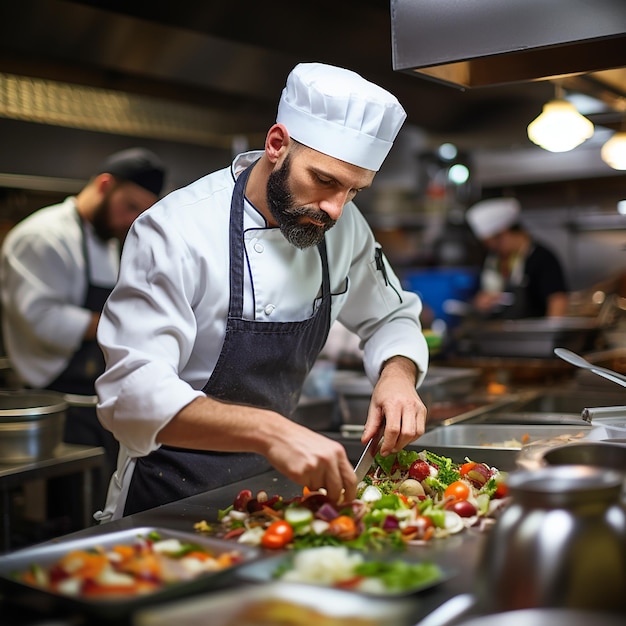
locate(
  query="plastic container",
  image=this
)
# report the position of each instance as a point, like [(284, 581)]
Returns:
[(435, 286)]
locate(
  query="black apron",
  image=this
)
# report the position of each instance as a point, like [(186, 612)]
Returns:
[(262, 364), (87, 363), (82, 426)]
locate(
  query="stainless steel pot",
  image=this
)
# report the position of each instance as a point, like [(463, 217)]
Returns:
[(599, 453), (561, 543), (31, 425)]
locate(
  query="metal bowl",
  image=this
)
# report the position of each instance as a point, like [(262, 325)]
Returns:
[(31, 425), (607, 454)]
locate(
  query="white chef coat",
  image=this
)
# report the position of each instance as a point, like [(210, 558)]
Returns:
[(163, 326), (43, 287)]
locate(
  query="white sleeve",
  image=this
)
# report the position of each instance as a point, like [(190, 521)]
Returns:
[(376, 307), (39, 275), (147, 333)]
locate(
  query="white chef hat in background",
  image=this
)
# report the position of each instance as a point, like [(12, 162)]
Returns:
[(491, 217), (339, 113)]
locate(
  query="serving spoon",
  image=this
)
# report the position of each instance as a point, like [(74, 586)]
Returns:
[(579, 361)]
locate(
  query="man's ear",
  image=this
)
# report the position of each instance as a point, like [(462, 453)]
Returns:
[(104, 183), (276, 142)]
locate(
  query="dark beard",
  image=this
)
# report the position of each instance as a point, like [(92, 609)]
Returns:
[(100, 221), (284, 211)]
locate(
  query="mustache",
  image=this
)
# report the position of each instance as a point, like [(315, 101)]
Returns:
[(314, 214)]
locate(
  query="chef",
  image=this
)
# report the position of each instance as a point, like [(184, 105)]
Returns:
[(227, 290), (58, 267), (520, 278)]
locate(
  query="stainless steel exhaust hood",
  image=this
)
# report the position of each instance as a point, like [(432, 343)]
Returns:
[(493, 42)]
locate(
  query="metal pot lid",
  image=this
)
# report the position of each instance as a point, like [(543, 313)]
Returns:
[(30, 405)]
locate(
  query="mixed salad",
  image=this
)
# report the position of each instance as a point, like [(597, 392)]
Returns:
[(341, 568), (406, 498), (148, 564)]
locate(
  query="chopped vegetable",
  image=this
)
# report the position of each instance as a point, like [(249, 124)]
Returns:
[(339, 567), (277, 535), (147, 564), (393, 507)]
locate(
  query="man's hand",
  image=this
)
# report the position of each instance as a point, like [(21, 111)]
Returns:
[(313, 460), (396, 401)]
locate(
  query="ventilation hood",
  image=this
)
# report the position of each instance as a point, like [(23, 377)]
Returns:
[(495, 42)]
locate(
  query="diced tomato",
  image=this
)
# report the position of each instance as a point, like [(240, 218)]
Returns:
[(350, 583), (466, 467), (343, 527), (502, 490), (277, 535), (457, 490)]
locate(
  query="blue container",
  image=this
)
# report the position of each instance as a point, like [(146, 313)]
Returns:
[(435, 286)]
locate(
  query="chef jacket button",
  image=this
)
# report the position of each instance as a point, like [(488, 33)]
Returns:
[(269, 309), (258, 247)]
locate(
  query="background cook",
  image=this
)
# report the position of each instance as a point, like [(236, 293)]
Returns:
[(58, 266), (520, 277), (227, 291)]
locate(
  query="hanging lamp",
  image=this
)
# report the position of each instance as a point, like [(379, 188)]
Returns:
[(560, 127), (613, 152)]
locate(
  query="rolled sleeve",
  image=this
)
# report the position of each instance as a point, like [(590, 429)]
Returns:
[(399, 338), (145, 402)]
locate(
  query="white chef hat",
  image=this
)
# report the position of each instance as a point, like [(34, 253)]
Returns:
[(491, 217), (339, 113)]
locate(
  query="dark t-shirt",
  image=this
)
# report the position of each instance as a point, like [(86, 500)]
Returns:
[(543, 276)]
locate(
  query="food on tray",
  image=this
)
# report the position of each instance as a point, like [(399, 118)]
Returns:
[(280, 612), (508, 443), (337, 566), (149, 563), (408, 497)]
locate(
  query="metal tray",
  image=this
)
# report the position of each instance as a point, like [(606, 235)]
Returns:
[(47, 554), (495, 444), (225, 608)]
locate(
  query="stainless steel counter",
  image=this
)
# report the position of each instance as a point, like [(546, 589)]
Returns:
[(459, 552)]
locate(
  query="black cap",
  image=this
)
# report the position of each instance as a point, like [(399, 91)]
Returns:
[(136, 165)]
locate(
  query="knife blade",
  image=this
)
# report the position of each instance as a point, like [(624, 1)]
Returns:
[(369, 453)]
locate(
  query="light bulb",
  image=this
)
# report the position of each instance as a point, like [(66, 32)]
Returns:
[(560, 127), (614, 151)]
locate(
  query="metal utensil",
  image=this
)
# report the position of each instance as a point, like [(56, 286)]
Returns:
[(368, 455), (579, 361)]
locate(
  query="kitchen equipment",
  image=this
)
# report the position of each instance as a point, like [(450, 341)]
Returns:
[(354, 390), (560, 543), (495, 444), (579, 361), (597, 453), (614, 426), (31, 425), (369, 454), (531, 338)]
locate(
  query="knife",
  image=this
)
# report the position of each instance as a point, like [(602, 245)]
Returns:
[(369, 453)]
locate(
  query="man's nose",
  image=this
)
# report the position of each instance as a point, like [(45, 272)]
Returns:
[(333, 205)]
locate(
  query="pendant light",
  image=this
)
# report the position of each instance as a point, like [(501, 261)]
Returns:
[(613, 152), (560, 127)]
